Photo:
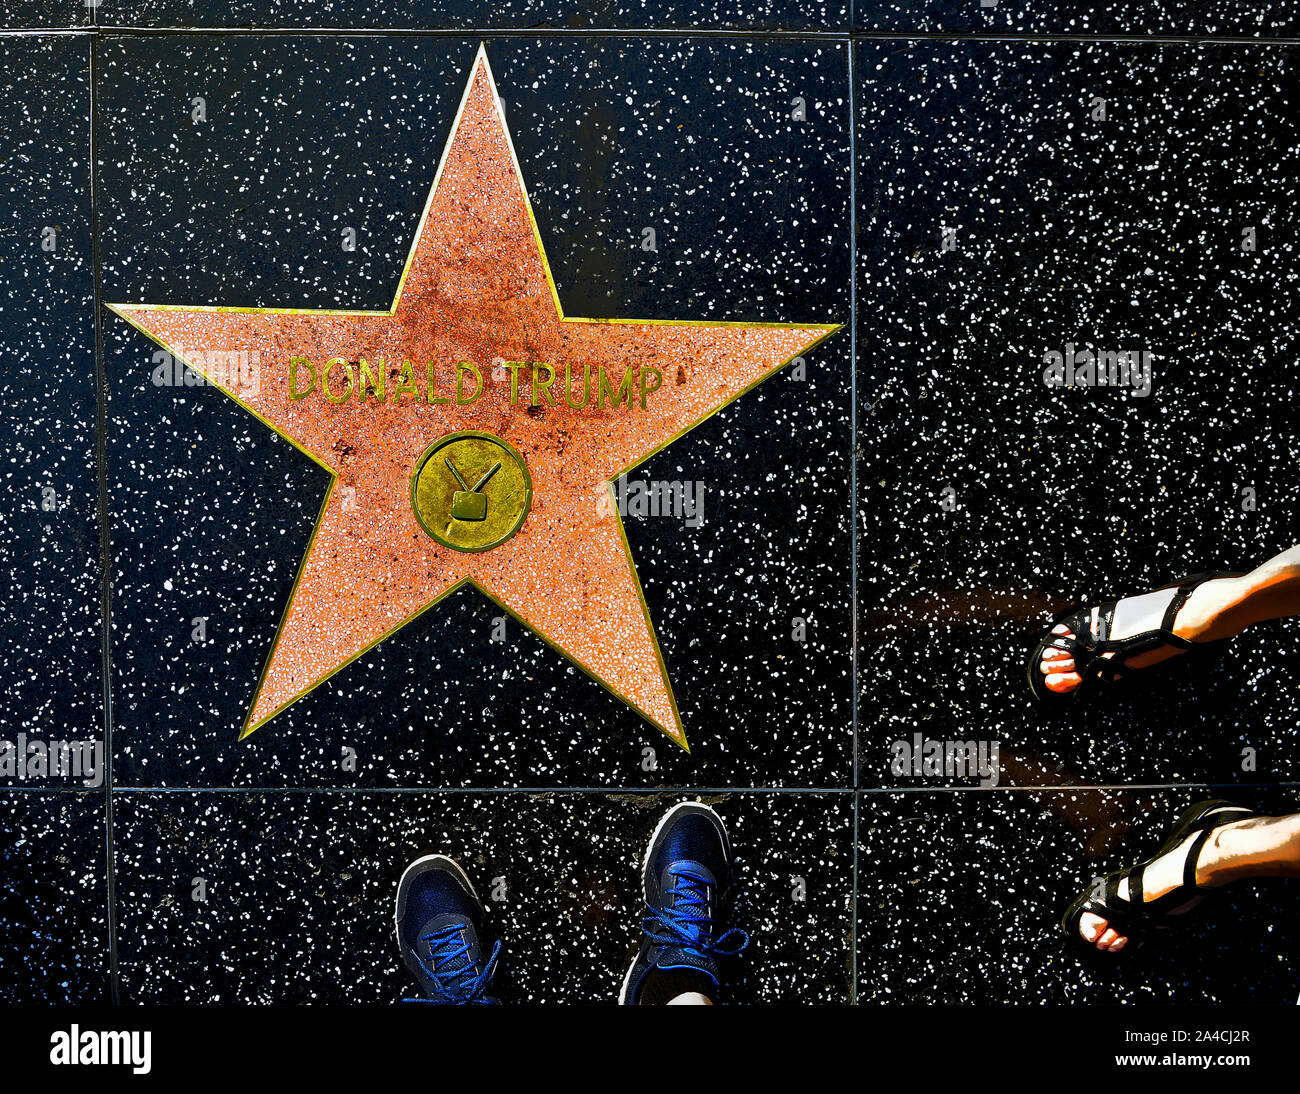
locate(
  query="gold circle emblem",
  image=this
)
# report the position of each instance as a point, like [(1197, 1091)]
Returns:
[(471, 491)]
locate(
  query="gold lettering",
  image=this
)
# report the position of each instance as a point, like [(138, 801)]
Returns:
[(375, 377), (294, 364), (658, 378), (431, 392), (624, 390), (586, 386), (544, 387), (606, 394), (463, 367), (325, 380), (514, 367), (405, 383)]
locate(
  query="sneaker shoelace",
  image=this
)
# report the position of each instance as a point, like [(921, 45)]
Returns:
[(685, 920), (448, 965)]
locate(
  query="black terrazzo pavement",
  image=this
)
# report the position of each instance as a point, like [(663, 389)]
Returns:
[(51, 683), (1125, 234), (743, 15), (855, 880), (1212, 18), (302, 885), (53, 916), (998, 869)]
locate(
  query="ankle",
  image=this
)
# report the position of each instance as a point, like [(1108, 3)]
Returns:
[(1214, 864), (1207, 615), (1254, 847)]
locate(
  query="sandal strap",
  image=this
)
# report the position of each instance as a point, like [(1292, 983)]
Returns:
[(1148, 617), (1122, 914), (1193, 857), (1135, 909), (1133, 915), (1137, 890)]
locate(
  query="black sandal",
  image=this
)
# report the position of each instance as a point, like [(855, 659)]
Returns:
[(1136, 919), (1150, 617)]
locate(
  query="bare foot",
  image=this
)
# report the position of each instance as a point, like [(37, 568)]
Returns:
[(1194, 621)]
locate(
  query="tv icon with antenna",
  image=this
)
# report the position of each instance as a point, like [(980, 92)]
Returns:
[(471, 490), (469, 502)]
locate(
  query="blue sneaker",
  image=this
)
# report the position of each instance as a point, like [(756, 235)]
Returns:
[(687, 881), (439, 925)]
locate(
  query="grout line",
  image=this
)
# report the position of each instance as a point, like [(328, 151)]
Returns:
[(749, 34), (1072, 788), (853, 907), (678, 791), (74, 790), (105, 555), (853, 502)]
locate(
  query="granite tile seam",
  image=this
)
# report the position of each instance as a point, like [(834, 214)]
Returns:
[(1027, 37)]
